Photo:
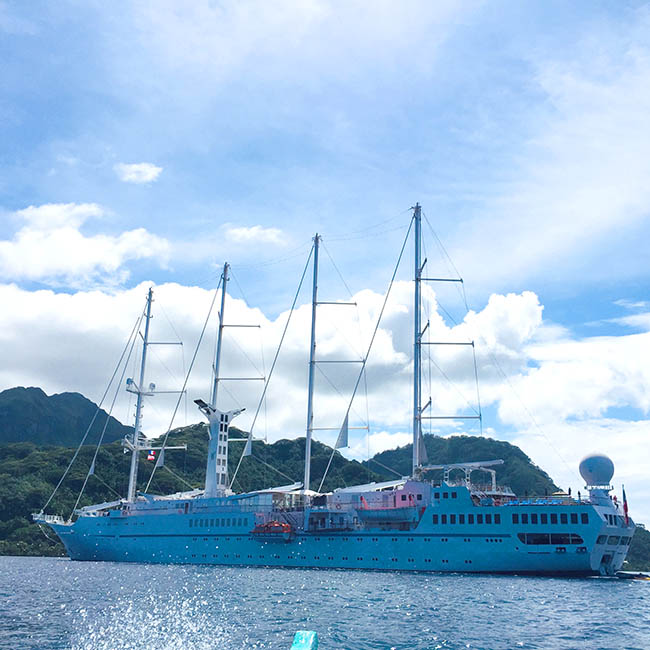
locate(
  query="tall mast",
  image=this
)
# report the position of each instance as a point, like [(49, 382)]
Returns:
[(217, 355), (417, 343), (312, 366), (135, 453)]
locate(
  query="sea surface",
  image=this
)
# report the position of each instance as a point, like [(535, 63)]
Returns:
[(52, 603)]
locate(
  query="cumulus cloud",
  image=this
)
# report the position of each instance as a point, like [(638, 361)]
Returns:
[(255, 234), (568, 385), (137, 172), (50, 247)]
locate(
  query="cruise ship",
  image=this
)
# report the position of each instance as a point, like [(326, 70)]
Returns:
[(437, 519)]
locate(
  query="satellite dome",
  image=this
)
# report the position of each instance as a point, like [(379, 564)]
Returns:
[(597, 469)]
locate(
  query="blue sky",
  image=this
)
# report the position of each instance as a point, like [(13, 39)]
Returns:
[(154, 140)]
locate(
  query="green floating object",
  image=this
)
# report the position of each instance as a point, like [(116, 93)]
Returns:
[(305, 640)]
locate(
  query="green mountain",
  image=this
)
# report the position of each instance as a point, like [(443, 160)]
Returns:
[(28, 474), (517, 471), (29, 415)]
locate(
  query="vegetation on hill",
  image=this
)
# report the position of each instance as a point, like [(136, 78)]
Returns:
[(28, 474), (517, 471), (29, 415)]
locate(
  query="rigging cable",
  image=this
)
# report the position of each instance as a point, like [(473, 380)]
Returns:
[(187, 377), (76, 453), (91, 469), (372, 340), (275, 358)]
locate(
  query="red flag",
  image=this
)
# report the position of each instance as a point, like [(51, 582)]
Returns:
[(364, 503), (627, 518)]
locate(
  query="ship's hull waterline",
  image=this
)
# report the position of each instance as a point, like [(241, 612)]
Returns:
[(167, 539)]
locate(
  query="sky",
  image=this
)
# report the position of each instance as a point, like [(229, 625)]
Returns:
[(145, 144)]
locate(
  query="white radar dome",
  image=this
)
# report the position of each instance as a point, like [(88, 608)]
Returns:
[(597, 469)]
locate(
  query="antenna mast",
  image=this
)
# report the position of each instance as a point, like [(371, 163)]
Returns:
[(312, 366), (139, 389), (417, 343)]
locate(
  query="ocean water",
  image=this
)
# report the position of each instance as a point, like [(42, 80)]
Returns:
[(49, 604)]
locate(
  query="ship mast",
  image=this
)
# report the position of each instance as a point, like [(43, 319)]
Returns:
[(137, 444), (417, 342), (217, 355), (312, 366)]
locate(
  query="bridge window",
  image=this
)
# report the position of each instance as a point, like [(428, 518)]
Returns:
[(613, 539), (602, 539)]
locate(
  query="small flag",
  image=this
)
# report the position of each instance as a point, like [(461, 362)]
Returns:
[(342, 440), (364, 503), (627, 517), (161, 458), (151, 455)]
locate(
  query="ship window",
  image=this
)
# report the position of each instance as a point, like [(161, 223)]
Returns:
[(515, 518), (584, 517), (435, 519), (454, 495), (461, 519), (574, 518), (191, 523), (443, 519), (554, 518), (537, 538), (625, 541), (228, 522), (201, 523), (601, 539), (470, 519), (419, 497), (445, 495), (576, 539), (533, 518), (436, 495), (563, 518), (403, 497), (544, 518), (524, 518), (560, 538), (497, 519), (211, 523), (479, 519), (488, 519), (452, 519), (613, 539)]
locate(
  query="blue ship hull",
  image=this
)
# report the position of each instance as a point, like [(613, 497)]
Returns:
[(222, 535)]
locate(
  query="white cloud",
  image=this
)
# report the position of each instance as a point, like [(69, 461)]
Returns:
[(577, 200), (255, 234), (566, 384), (51, 248), (137, 172)]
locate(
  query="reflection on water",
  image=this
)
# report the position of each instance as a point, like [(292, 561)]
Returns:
[(51, 604)]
